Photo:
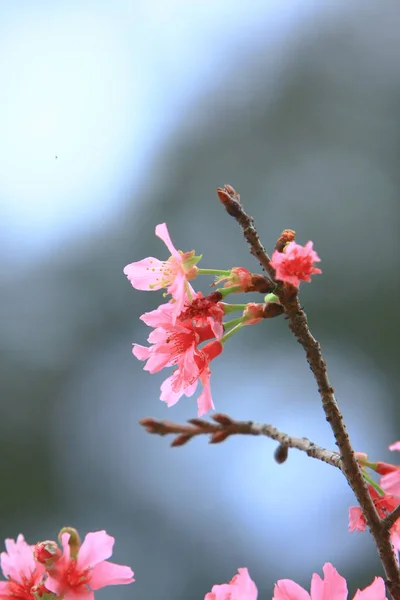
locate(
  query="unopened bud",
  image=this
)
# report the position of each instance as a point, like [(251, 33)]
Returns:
[(47, 553), (74, 541), (287, 236), (281, 453)]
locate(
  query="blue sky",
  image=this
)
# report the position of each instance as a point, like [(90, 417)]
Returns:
[(88, 91)]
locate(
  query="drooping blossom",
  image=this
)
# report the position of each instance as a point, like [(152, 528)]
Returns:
[(177, 344), (333, 587), (20, 569), (295, 263), (384, 505), (172, 274), (241, 587), (172, 343), (185, 379), (77, 574)]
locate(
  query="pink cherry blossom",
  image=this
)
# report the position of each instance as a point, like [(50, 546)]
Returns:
[(173, 343), (295, 263), (20, 569), (184, 380), (395, 446), (332, 586), (173, 273), (384, 505), (390, 483), (205, 311), (74, 578), (241, 587)]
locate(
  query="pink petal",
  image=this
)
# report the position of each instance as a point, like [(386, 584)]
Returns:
[(4, 591), (97, 546), (247, 589), (356, 519), (375, 591), (156, 362), (162, 233), (390, 483), (178, 291), (83, 595), (204, 401), (108, 573), (395, 446), (333, 587), (18, 561), (159, 317), (169, 392), (141, 352), (146, 274), (285, 589), (53, 584)]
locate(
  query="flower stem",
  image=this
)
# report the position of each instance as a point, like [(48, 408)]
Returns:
[(373, 483), (234, 329), (213, 272), (228, 308)]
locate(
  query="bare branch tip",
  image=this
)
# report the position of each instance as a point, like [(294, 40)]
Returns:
[(222, 419)]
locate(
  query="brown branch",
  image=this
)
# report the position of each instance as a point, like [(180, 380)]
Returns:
[(226, 426), (231, 201), (391, 519), (299, 326)]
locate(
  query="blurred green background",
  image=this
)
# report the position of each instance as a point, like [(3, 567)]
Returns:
[(116, 117)]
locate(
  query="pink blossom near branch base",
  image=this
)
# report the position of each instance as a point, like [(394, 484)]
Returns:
[(333, 587), (295, 263), (384, 505), (241, 587)]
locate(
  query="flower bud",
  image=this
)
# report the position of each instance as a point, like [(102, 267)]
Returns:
[(281, 453), (47, 553)]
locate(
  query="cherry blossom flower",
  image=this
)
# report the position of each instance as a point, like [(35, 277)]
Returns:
[(295, 263), (384, 505), (173, 273), (333, 586), (76, 575), (241, 587), (203, 312), (21, 570), (172, 343), (185, 379)]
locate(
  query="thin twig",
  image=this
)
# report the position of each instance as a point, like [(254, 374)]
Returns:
[(299, 326), (391, 519), (226, 426), (231, 201)]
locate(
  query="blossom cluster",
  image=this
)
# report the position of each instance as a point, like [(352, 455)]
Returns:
[(72, 572), (188, 330)]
